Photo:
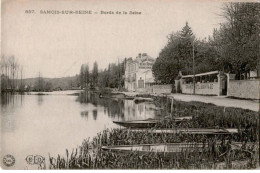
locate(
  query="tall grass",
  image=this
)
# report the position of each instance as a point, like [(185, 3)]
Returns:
[(208, 115), (90, 155)]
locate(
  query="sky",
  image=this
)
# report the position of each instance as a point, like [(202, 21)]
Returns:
[(57, 44)]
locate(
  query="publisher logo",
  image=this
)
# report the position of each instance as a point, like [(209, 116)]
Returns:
[(8, 160)]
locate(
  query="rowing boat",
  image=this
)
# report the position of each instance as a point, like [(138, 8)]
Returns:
[(142, 99), (202, 131), (148, 123), (166, 150), (138, 123)]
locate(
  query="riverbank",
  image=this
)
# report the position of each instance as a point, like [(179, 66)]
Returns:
[(216, 100), (91, 156)]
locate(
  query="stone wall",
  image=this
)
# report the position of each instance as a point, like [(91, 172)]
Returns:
[(141, 90), (162, 88), (210, 88), (149, 89), (248, 89)]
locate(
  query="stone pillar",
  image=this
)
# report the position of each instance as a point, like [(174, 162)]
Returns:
[(181, 82), (177, 86), (229, 77), (219, 85)]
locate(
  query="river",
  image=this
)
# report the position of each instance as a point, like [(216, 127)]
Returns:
[(48, 124)]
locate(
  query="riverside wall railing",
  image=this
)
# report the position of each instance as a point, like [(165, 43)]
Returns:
[(210, 88), (210, 83), (224, 84)]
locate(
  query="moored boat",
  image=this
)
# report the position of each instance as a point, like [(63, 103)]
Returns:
[(148, 123), (138, 123), (166, 149), (202, 131), (183, 118), (142, 99)]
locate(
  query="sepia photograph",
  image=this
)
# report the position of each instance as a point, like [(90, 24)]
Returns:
[(130, 85)]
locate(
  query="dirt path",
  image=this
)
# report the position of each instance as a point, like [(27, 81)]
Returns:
[(219, 101), (253, 105)]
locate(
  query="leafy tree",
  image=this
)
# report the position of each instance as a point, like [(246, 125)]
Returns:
[(206, 57), (113, 76), (82, 76), (40, 84), (48, 86), (95, 74), (87, 75), (175, 56), (238, 39)]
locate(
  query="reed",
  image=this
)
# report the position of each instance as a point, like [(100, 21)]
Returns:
[(209, 115), (90, 155)]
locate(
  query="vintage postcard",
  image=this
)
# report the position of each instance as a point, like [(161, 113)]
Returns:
[(123, 84)]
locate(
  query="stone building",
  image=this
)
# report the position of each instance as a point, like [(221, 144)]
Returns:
[(138, 73)]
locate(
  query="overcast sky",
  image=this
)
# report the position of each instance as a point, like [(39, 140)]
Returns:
[(57, 45)]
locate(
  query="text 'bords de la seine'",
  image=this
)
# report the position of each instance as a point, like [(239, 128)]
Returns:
[(89, 12)]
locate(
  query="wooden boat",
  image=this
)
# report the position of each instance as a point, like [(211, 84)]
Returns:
[(148, 123), (202, 131), (138, 123), (166, 150), (129, 97), (142, 99), (180, 118)]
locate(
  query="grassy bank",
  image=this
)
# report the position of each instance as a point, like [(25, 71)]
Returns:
[(210, 115), (90, 155)]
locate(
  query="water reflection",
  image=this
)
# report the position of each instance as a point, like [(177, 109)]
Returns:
[(51, 123), (95, 114), (39, 100), (10, 103), (119, 109), (84, 114), (11, 99)]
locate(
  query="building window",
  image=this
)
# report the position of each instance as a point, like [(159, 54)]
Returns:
[(140, 83)]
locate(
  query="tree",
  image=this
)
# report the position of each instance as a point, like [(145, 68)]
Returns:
[(87, 75), (82, 76), (95, 74), (40, 84), (48, 86), (238, 39), (9, 72), (206, 57), (175, 56), (112, 76)]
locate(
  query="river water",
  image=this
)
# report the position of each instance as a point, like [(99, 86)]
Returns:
[(48, 124)]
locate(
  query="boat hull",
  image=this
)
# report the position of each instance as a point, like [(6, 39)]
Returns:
[(202, 131), (164, 150), (137, 124), (148, 123), (167, 150)]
